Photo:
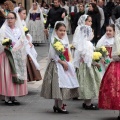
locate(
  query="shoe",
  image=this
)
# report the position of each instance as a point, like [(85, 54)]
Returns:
[(57, 109), (91, 107), (118, 118), (10, 103), (83, 105), (15, 102), (75, 98)]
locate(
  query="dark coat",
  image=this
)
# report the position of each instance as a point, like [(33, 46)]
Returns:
[(95, 24), (77, 16), (2, 20)]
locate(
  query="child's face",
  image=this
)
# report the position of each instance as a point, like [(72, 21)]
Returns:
[(88, 21), (110, 32), (61, 32)]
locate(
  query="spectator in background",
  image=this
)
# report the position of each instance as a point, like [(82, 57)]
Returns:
[(95, 15), (55, 14), (77, 16), (8, 7), (72, 13), (116, 12), (18, 7), (2, 18), (66, 18)]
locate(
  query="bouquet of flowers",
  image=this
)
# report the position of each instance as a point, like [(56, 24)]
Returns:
[(25, 30), (7, 42), (59, 48), (104, 53), (96, 58)]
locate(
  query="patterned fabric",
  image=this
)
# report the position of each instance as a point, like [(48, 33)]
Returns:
[(7, 87), (36, 30), (109, 95), (50, 87), (89, 80)]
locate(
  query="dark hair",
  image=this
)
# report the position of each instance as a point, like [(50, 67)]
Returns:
[(21, 9), (95, 8), (63, 1), (87, 17), (59, 25), (13, 14), (112, 26)]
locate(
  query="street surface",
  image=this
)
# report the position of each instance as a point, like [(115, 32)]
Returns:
[(33, 107)]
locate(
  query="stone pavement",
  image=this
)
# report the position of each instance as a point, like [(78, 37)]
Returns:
[(34, 107)]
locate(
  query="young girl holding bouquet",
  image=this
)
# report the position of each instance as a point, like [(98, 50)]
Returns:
[(87, 73), (107, 41), (60, 81), (109, 95)]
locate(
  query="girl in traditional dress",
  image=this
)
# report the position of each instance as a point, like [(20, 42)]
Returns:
[(35, 24), (87, 73), (13, 73), (60, 80), (109, 95), (33, 66), (107, 40)]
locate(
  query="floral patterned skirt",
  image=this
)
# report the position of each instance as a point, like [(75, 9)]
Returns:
[(109, 95), (50, 87), (89, 80)]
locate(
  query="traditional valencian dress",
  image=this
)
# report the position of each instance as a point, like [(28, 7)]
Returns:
[(35, 24), (13, 62), (87, 73), (108, 43), (33, 67), (58, 83), (109, 95)]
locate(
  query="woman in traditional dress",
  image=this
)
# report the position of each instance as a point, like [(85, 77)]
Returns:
[(35, 24), (87, 73), (9, 6), (107, 40), (60, 80), (33, 66), (13, 73), (109, 95)]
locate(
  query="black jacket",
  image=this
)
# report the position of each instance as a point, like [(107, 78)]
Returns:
[(95, 22), (77, 16), (116, 13), (2, 20), (54, 15)]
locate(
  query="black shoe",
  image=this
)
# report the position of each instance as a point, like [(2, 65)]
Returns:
[(10, 103), (83, 105), (91, 107), (15, 102), (118, 118), (57, 109), (75, 98)]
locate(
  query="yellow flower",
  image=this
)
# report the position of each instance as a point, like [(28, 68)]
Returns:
[(5, 40), (97, 55), (44, 21), (25, 28), (103, 49)]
